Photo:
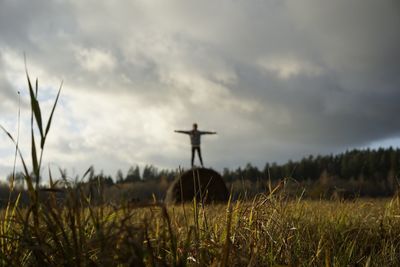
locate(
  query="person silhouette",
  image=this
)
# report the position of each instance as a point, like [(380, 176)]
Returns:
[(195, 141)]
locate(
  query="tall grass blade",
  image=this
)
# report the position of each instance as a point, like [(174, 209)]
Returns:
[(35, 107), (51, 179), (35, 163), (88, 171), (227, 243), (16, 146), (36, 88), (8, 134), (27, 176), (52, 111)]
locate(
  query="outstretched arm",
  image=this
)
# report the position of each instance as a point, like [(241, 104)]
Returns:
[(205, 132), (184, 132)]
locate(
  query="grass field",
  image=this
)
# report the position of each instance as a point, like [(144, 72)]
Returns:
[(270, 230)]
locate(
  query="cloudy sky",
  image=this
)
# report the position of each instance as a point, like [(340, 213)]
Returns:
[(277, 79)]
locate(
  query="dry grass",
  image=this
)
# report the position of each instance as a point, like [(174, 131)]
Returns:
[(267, 232)]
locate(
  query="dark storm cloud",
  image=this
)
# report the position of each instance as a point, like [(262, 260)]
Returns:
[(357, 46), (24, 24), (276, 79), (351, 99), (322, 111)]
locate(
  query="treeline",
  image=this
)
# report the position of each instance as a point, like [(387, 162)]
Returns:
[(355, 164), (365, 165), (134, 175), (149, 173), (371, 173)]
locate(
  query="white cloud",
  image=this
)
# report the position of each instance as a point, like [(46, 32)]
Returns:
[(286, 68), (95, 60)]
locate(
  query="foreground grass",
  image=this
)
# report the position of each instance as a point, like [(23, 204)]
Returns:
[(269, 231)]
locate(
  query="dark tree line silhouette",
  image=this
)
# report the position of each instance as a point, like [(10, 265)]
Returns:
[(149, 173), (368, 165), (355, 164), (358, 172)]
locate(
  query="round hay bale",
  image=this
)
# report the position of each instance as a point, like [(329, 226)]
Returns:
[(206, 184)]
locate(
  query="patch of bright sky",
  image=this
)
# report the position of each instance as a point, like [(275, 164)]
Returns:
[(386, 143)]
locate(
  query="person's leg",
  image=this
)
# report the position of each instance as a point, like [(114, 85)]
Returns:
[(201, 160), (193, 151)]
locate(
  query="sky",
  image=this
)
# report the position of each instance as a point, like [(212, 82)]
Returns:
[(277, 79)]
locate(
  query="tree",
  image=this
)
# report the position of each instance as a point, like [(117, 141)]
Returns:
[(133, 174), (150, 173), (251, 172), (226, 175), (119, 177), (101, 179)]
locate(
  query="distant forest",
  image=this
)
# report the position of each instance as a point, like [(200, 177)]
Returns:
[(368, 173), (365, 173), (356, 164)]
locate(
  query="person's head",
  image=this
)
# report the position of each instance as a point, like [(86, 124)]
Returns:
[(194, 126)]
